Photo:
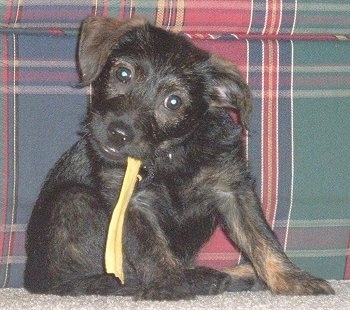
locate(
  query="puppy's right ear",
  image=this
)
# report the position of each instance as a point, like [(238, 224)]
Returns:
[(230, 91), (98, 35)]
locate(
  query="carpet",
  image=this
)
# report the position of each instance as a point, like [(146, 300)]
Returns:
[(21, 299)]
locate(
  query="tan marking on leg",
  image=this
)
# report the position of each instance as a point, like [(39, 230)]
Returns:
[(241, 271), (275, 273)]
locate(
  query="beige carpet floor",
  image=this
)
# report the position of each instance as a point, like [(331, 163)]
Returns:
[(21, 299)]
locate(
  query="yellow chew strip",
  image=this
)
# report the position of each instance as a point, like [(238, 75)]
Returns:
[(114, 249)]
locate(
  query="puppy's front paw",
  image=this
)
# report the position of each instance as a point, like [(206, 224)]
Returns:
[(165, 291), (207, 281), (302, 284)]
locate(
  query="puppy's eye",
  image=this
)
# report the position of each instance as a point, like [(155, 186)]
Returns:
[(173, 102), (123, 74)]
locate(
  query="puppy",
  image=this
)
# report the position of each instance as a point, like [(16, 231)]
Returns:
[(158, 98)]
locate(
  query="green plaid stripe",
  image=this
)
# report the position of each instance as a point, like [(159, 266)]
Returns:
[(317, 16)]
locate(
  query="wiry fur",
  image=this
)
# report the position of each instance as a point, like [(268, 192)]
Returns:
[(195, 176)]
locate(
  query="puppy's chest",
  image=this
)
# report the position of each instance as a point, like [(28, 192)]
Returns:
[(109, 184)]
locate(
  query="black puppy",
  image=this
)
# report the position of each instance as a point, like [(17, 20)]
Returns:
[(158, 98)]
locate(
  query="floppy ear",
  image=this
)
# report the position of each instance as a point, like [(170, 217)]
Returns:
[(98, 35), (230, 90)]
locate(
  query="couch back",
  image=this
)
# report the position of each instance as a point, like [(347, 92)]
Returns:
[(295, 56)]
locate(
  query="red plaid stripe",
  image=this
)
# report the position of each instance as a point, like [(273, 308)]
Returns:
[(273, 16), (269, 129), (200, 15), (5, 154), (219, 252), (127, 8)]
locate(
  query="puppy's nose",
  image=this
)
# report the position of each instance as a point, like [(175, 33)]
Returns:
[(119, 133)]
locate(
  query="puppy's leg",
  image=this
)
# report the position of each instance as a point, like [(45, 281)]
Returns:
[(244, 278), (65, 245), (208, 281), (244, 222), (148, 254)]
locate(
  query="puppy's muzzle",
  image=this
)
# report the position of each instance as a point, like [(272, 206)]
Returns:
[(119, 134)]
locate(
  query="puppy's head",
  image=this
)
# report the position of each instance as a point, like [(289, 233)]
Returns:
[(151, 87)]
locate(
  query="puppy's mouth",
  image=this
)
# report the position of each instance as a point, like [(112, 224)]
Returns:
[(111, 152), (108, 151), (115, 154)]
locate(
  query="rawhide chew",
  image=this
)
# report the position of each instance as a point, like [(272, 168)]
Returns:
[(114, 248)]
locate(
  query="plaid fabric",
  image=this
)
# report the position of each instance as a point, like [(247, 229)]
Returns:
[(298, 143), (40, 115), (299, 158), (239, 17)]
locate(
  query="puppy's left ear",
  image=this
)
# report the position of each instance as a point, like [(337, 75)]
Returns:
[(98, 35), (230, 91)]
